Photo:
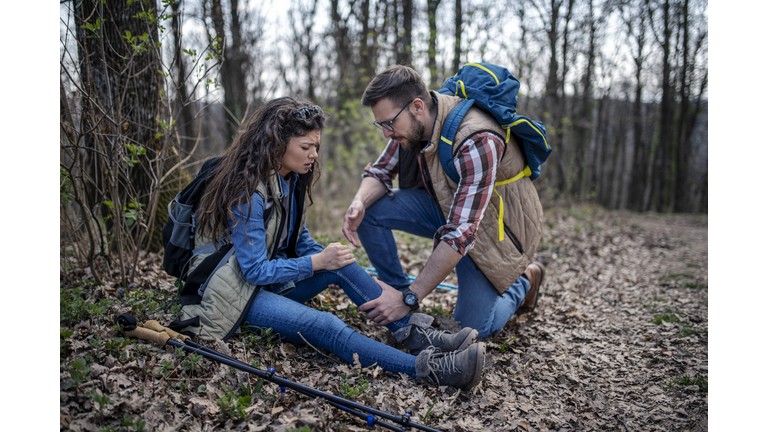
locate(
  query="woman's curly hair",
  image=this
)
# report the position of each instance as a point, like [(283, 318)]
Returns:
[(255, 155)]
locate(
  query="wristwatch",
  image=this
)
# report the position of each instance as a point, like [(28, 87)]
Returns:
[(410, 299)]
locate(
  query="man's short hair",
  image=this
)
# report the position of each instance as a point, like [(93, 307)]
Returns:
[(400, 84)]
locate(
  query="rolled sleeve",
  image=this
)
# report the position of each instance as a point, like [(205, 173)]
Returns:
[(477, 161), (385, 167)]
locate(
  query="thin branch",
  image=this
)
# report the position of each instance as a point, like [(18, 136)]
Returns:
[(317, 350)]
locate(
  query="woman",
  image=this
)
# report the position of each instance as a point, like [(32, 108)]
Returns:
[(256, 199)]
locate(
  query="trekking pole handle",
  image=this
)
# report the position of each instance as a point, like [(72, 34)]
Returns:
[(148, 335), (154, 325)]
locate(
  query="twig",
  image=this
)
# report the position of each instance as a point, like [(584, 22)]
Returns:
[(622, 422), (317, 350)]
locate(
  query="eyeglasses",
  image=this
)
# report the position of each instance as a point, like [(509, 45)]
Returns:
[(388, 125), (307, 112)]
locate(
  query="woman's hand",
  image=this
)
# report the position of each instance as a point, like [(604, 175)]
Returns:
[(334, 256)]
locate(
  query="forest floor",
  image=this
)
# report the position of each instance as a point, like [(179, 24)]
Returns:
[(618, 341)]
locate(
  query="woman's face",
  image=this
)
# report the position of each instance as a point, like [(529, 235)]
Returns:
[(300, 154)]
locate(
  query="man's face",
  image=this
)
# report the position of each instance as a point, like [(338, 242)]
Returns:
[(407, 129)]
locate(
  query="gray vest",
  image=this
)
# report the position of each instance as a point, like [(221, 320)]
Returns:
[(228, 296)]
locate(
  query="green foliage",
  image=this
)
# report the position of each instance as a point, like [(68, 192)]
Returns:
[(144, 303), (116, 347), (95, 342), (667, 317), (694, 265), (504, 345), (78, 371), (189, 364), (686, 331), (93, 28), (688, 380), (66, 192), (137, 43), (695, 285), (101, 400), (181, 386), (137, 425), (165, 369), (350, 389), (233, 405), (304, 428), (134, 152), (64, 333), (257, 338), (73, 307), (429, 411)]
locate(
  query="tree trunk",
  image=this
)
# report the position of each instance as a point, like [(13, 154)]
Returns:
[(233, 67), (457, 22), (584, 114), (432, 44), (664, 184), (181, 108)]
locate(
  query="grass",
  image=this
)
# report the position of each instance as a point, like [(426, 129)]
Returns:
[(688, 380), (694, 285), (686, 331), (681, 275), (667, 317)]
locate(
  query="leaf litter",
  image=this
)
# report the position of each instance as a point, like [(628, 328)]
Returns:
[(602, 351)]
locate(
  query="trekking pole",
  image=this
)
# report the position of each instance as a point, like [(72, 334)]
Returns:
[(156, 333)]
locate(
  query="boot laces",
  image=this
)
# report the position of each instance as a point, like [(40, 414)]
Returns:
[(442, 363), (432, 334)]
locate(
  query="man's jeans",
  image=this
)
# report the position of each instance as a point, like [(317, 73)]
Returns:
[(478, 305), (288, 316)]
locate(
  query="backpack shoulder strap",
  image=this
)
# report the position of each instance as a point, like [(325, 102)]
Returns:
[(447, 134)]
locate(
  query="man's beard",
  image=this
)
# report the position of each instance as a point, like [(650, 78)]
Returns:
[(415, 132)]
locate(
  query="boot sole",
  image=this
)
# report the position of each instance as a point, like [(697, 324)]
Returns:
[(479, 363)]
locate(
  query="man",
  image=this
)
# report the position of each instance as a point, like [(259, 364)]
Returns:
[(487, 226)]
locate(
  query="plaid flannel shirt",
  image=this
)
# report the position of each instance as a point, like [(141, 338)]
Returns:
[(476, 161)]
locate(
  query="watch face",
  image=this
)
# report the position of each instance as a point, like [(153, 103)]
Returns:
[(410, 299)]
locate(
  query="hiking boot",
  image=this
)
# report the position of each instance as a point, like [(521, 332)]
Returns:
[(419, 336), (535, 274), (461, 370)]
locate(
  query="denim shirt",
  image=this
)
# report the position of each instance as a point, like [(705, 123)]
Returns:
[(249, 241)]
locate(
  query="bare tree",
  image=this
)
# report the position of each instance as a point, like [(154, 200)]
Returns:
[(432, 42), (661, 16), (457, 24), (686, 118), (235, 65), (119, 143), (635, 19)]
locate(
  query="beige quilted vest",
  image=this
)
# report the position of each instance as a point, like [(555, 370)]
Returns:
[(495, 252), (228, 296)]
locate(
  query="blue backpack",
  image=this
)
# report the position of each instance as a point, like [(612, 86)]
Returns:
[(494, 89)]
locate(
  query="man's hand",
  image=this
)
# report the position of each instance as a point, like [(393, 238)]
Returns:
[(353, 217), (387, 308)]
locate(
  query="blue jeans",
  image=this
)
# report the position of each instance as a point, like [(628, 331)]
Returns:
[(287, 315), (478, 304)]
